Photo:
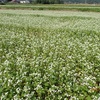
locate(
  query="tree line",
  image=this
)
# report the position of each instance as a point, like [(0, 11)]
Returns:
[(82, 1), (48, 1), (65, 1), (56, 1)]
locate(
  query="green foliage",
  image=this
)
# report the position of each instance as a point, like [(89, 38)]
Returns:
[(66, 7), (82, 1), (50, 55), (48, 1)]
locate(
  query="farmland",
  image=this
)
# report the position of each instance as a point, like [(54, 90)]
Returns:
[(66, 7), (50, 55)]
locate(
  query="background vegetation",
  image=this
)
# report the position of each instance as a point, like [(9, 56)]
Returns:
[(65, 7), (82, 1), (65, 1), (55, 1)]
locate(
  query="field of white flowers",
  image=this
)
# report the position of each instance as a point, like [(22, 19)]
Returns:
[(49, 55)]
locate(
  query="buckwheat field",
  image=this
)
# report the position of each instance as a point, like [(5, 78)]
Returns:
[(49, 55)]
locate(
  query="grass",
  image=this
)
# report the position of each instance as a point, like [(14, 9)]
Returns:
[(51, 55), (77, 7)]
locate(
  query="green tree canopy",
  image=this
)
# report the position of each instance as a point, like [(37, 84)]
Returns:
[(67, 1)]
